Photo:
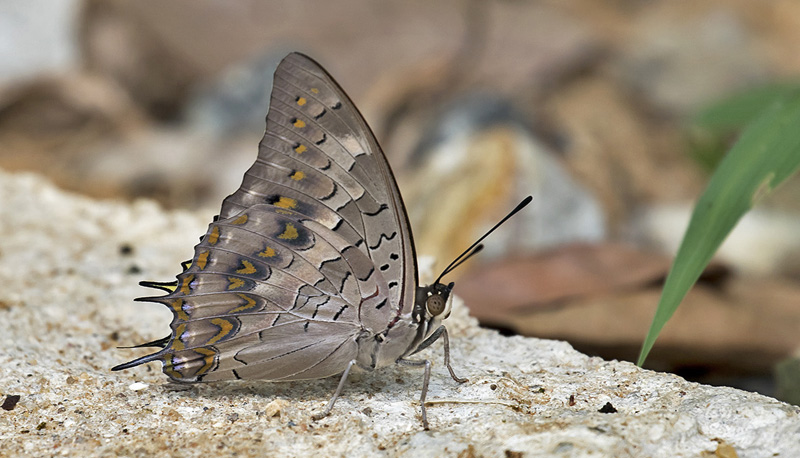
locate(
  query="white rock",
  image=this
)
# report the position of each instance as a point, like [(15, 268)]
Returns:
[(517, 398), (761, 243), (138, 386)]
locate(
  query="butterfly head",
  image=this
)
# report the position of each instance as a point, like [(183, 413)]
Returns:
[(438, 301), (431, 308)]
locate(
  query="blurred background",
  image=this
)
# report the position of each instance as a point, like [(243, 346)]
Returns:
[(603, 111)]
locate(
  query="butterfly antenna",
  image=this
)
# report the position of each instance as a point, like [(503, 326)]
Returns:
[(472, 253), (477, 247)]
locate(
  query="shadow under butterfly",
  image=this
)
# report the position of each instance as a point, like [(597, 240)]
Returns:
[(310, 267)]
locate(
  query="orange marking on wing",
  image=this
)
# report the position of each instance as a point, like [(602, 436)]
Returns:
[(285, 202), (177, 307), (213, 237), (290, 233), (225, 327), (208, 359), (185, 286), (234, 283), (202, 260), (177, 342), (249, 303), (247, 268), (267, 253)]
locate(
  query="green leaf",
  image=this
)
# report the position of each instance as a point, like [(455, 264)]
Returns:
[(711, 131), (766, 154)]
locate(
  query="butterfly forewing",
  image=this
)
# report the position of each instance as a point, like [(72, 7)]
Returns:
[(312, 251), (313, 128)]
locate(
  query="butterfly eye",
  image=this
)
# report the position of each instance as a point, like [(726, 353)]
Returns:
[(435, 304)]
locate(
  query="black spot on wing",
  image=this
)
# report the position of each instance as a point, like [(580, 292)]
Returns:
[(316, 310), (337, 105), (382, 208), (339, 313), (321, 140), (321, 114), (383, 303), (380, 240), (344, 279), (336, 259), (332, 193)]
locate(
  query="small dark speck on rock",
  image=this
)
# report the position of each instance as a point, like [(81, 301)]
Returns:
[(134, 270), (233, 417), (571, 401), (125, 249), (608, 408), (41, 426), (367, 411), (513, 454), (291, 424), (10, 401)]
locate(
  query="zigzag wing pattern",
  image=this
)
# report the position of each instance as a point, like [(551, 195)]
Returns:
[(320, 158), (311, 252), (269, 295)]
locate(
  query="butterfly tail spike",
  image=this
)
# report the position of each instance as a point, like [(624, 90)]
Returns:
[(158, 343), (167, 287), (144, 359)]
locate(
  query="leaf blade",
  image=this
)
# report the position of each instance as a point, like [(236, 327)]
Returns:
[(766, 154)]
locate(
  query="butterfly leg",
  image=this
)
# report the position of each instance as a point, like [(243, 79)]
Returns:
[(441, 332), (446, 342), (426, 378), (324, 413)]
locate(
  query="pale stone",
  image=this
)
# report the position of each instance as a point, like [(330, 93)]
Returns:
[(68, 282)]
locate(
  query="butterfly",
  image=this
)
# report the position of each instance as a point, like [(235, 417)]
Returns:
[(310, 268)]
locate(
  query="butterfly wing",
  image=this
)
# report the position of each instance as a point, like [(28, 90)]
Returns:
[(344, 179), (312, 250)]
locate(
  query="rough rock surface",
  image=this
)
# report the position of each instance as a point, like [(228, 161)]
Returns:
[(69, 268)]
